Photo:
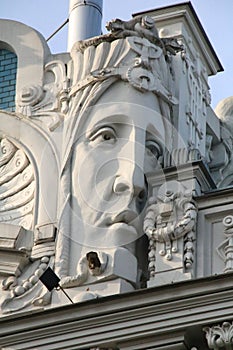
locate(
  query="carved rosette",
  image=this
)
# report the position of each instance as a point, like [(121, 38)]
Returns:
[(220, 337), (169, 218), (225, 249)]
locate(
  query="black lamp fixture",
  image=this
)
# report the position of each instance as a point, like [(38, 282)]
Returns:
[(51, 281)]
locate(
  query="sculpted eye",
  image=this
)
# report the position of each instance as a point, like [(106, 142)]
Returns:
[(104, 134), (153, 149)]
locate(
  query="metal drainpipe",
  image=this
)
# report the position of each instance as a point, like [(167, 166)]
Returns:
[(85, 17)]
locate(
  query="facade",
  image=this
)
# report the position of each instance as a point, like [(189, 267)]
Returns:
[(115, 173)]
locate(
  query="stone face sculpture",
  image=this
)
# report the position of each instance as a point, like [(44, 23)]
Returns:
[(119, 104), (116, 101)]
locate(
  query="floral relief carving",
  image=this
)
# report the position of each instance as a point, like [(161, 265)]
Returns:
[(220, 336)]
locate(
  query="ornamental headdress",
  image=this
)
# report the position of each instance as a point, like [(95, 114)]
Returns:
[(132, 52)]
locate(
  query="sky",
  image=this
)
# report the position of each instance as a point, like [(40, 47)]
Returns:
[(215, 15)]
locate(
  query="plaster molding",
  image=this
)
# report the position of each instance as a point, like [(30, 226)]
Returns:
[(193, 174), (160, 317)]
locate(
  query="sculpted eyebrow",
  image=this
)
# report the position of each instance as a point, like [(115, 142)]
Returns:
[(96, 128)]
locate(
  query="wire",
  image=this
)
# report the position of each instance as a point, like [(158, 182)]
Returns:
[(60, 288), (58, 29)]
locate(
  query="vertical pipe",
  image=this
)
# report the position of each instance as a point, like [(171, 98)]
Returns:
[(85, 18)]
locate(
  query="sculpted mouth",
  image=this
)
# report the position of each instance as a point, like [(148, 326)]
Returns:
[(127, 217)]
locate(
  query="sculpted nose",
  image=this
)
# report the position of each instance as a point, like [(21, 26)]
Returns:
[(121, 185), (130, 178), (136, 192)]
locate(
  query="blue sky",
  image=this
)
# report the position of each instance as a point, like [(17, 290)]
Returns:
[(215, 16)]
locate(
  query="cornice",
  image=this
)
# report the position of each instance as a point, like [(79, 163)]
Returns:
[(168, 310), (186, 11)]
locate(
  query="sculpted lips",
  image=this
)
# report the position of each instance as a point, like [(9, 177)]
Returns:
[(124, 219)]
